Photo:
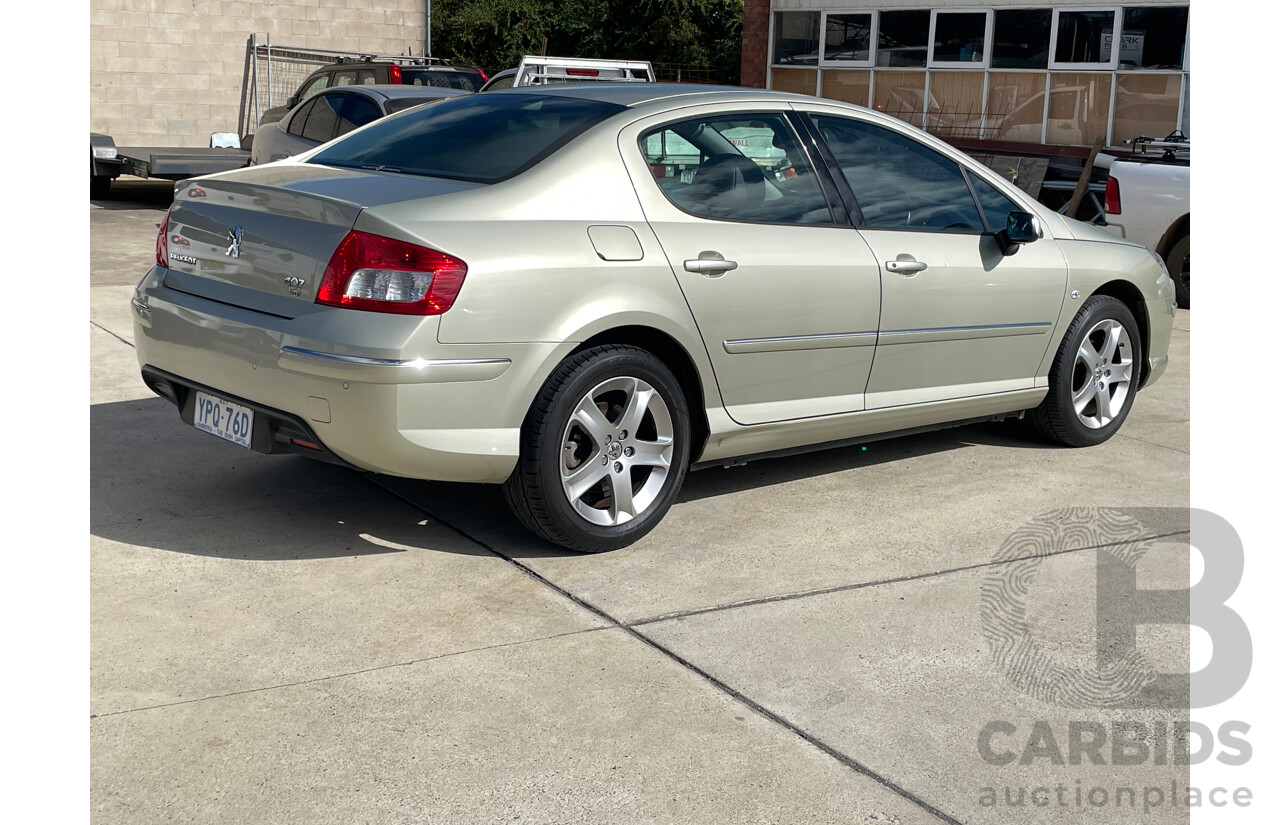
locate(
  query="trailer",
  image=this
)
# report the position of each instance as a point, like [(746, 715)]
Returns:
[(108, 162)]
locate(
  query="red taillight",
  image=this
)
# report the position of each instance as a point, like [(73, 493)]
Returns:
[(385, 275), (582, 72), (1112, 204), (162, 241), (484, 78), (393, 74)]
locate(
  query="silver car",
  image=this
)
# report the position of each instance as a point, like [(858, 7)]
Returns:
[(335, 112), (583, 292)]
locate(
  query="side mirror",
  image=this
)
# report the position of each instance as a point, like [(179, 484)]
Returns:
[(291, 102), (1019, 229)]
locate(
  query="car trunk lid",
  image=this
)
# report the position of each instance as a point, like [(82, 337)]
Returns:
[(261, 238)]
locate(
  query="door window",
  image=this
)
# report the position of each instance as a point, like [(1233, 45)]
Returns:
[(897, 182), (314, 88), (739, 167), (300, 119), (323, 119), (358, 111)]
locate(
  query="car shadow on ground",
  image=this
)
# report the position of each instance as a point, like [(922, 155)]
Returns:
[(136, 193), (156, 482)]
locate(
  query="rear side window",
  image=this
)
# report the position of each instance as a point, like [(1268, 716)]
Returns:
[(323, 120), (445, 78), (480, 138), (300, 119)]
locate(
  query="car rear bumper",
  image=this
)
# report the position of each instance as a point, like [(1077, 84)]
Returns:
[(408, 407)]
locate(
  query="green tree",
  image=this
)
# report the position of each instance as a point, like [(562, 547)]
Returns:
[(495, 34)]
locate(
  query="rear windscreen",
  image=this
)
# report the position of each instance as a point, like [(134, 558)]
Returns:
[(482, 138), (446, 78)]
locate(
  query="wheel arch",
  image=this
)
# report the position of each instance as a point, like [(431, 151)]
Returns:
[(1128, 294), (1176, 232), (677, 358)]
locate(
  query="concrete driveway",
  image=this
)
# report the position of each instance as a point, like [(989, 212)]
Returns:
[(811, 639)]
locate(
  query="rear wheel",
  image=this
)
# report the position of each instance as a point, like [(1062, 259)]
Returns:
[(603, 451), (1178, 263), (1094, 375)]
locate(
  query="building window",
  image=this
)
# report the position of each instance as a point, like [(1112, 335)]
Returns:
[(1021, 39), (903, 39), (1084, 39), (795, 37), (959, 37), (848, 38), (1153, 38)]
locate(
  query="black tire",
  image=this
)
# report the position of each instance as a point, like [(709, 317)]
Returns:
[(99, 187), (1178, 262), (1071, 377), (556, 446)]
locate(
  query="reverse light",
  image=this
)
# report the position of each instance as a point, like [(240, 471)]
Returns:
[(393, 74), (1111, 204), (162, 241), (379, 274)]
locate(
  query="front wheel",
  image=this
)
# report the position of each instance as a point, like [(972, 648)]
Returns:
[(1094, 375), (603, 450)]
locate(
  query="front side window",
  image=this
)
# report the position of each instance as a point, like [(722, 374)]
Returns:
[(747, 167), (314, 88), (996, 206), (898, 182), (480, 138)]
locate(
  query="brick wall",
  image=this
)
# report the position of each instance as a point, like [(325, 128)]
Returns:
[(170, 72), (755, 42)]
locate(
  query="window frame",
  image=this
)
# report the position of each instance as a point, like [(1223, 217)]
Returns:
[(870, 62), (987, 34), (1117, 24)]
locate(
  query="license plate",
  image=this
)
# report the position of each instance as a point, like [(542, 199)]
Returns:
[(224, 419)]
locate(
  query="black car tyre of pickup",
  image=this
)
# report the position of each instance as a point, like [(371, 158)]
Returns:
[(1178, 262), (603, 451), (1094, 375)]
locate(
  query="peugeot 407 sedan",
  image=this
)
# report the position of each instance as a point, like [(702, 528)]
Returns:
[(582, 292)]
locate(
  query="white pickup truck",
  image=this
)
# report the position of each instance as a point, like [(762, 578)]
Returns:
[(1148, 201)]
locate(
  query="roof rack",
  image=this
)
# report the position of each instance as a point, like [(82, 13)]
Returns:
[(416, 60), (537, 70), (1169, 146)]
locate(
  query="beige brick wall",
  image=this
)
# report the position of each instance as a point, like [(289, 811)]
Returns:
[(170, 72)]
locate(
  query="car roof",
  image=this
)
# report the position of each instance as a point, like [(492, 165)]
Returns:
[(398, 90), (634, 93)]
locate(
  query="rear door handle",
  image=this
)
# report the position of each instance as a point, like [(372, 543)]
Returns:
[(906, 266), (708, 266)]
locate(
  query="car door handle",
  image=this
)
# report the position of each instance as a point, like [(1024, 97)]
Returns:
[(709, 266), (906, 266)]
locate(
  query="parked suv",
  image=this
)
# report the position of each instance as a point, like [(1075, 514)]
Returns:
[(372, 71)]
